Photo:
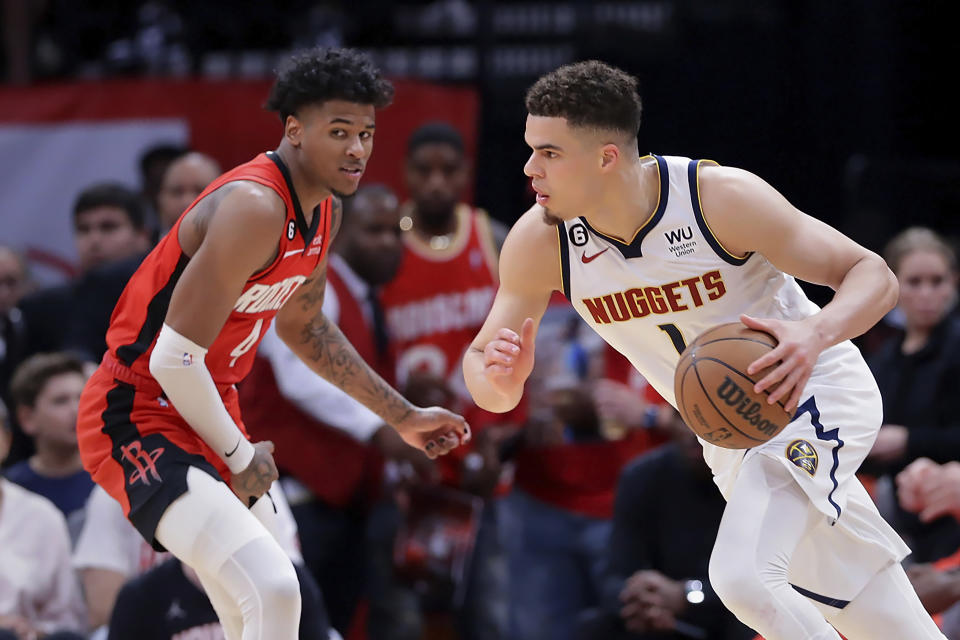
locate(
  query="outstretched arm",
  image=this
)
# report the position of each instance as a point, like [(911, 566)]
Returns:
[(747, 214), (323, 347), (500, 358)]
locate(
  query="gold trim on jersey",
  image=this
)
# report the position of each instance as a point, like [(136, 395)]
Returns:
[(704, 215), (653, 213), (458, 242)]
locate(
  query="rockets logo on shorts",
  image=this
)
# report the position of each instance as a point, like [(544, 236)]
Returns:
[(802, 454), (144, 463)]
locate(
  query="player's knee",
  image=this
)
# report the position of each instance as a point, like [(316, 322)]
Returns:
[(280, 593), (737, 583)]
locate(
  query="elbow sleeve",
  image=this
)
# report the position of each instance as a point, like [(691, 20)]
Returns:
[(177, 363)]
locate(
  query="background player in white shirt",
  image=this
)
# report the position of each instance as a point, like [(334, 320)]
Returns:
[(799, 543)]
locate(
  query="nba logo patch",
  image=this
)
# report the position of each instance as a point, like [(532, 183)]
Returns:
[(187, 359), (802, 454)]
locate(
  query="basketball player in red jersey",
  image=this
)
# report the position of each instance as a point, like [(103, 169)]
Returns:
[(448, 276), (159, 424)]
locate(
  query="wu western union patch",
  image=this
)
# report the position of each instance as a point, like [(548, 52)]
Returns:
[(802, 454)]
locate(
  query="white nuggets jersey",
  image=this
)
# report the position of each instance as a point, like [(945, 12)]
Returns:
[(651, 296)]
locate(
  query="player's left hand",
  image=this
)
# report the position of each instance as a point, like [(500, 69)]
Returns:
[(799, 347), (433, 430)]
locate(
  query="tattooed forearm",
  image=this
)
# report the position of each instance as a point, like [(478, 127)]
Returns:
[(328, 352), (310, 294)]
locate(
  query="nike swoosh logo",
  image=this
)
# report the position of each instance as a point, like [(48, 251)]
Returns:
[(237, 446), (291, 253), (587, 259)]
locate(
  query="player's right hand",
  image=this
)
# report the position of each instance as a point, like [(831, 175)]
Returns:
[(508, 358), (255, 480)]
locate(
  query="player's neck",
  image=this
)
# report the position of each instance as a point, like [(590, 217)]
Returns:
[(55, 461), (628, 201), (310, 195)]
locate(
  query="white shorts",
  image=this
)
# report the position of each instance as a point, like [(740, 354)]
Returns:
[(831, 434)]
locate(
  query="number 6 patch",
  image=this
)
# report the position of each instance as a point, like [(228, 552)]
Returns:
[(578, 234)]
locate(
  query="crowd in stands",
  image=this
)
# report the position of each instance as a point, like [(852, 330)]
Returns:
[(586, 513)]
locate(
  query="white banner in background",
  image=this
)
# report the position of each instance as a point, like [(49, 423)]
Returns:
[(44, 166)]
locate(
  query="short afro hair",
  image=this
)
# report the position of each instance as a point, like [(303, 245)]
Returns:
[(589, 94), (314, 76), (437, 132)]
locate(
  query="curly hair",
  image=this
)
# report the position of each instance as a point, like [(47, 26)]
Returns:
[(316, 75), (588, 94)]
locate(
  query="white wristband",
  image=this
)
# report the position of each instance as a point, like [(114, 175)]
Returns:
[(177, 364)]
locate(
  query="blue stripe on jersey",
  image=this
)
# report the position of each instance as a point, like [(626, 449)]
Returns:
[(810, 406), (632, 249), (564, 259), (830, 602), (726, 256)]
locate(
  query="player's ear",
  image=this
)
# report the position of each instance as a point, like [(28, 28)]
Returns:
[(293, 130), (609, 155)]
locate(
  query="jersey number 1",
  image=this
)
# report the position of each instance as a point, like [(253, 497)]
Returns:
[(675, 336), (247, 343)]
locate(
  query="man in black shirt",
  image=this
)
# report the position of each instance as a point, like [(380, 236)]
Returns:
[(666, 516)]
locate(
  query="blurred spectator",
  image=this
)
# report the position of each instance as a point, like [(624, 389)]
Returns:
[(110, 551), (46, 393), (434, 308), (557, 521), (111, 240), (185, 178), (39, 594), (13, 339), (169, 603), (932, 491), (666, 517), (329, 446), (918, 372), (154, 163)]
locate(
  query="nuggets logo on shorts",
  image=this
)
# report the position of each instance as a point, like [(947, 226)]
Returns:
[(802, 454)]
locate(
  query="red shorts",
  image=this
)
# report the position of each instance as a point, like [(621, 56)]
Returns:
[(137, 447)]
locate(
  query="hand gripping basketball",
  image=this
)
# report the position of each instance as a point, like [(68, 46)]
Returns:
[(716, 396)]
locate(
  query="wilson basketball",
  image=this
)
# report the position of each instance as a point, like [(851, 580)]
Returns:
[(715, 395)]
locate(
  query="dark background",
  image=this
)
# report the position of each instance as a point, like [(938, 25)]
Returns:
[(846, 107)]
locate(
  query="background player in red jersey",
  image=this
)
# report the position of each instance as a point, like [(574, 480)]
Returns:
[(186, 329)]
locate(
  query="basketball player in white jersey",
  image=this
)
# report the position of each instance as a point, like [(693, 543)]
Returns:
[(653, 250)]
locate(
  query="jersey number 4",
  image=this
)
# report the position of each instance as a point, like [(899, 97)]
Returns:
[(247, 343)]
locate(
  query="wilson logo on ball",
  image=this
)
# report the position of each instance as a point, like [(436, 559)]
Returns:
[(748, 409)]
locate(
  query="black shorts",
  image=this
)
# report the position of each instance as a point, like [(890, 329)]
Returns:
[(166, 481)]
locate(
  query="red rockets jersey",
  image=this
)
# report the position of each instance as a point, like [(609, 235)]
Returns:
[(141, 310), (440, 297)]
